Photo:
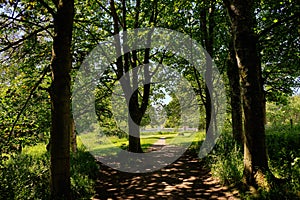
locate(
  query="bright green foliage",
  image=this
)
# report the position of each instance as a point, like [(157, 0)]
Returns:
[(33, 124), (173, 111), (282, 114), (25, 177), (278, 33), (25, 51), (284, 157)]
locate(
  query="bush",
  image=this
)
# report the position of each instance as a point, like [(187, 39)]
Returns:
[(25, 177), (84, 171)]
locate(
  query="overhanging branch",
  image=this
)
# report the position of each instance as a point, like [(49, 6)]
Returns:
[(10, 45), (276, 24)]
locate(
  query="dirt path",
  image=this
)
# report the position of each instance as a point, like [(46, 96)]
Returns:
[(159, 144), (186, 178)]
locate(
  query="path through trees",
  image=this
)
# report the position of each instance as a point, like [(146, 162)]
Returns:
[(187, 178)]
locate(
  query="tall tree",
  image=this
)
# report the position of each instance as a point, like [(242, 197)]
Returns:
[(245, 44), (30, 24), (129, 83), (207, 26), (235, 94), (61, 65), (124, 15)]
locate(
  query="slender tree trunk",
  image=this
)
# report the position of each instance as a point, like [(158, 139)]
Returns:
[(235, 95), (207, 17), (245, 44), (60, 99)]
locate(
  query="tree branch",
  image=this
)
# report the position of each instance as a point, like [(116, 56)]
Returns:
[(10, 45), (50, 10), (109, 12), (268, 29), (26, 21), (44, 72)]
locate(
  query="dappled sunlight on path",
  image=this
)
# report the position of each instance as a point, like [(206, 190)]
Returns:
[(184, 179)]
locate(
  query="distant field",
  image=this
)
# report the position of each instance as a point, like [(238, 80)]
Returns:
[(102, 146)]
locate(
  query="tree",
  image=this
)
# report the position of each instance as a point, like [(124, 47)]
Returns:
[(29, 36), (123, 16), (23, 73), (243, 22), (26, 31), (173, 112), (235, 93), (207, 22), (61, 65)]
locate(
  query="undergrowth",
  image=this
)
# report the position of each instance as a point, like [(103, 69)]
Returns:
[(283, 144), (226, 160), (27, 175)]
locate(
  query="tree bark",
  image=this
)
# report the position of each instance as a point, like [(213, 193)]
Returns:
[(245, 44), (207, 17), (60, 100), (235, 95), (134, 133), (73, 136)]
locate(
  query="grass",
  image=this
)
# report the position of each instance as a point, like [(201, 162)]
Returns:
[(111, 145), (283, 144), (226, 160), (27, 175)]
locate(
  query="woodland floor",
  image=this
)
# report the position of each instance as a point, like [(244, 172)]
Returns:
[(186, 178)]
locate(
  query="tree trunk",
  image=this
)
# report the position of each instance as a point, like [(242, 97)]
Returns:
[(207, 17), (245, 44), (134, 120), (60, 99), (134, 138), (123, 67), (235, 95), (73, 136)]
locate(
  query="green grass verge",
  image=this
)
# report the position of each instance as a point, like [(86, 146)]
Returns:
[(27, 175)]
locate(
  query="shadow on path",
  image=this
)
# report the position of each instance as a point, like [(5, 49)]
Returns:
[(184, 179)]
